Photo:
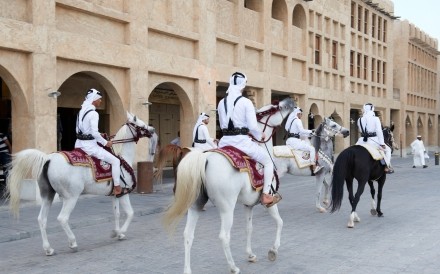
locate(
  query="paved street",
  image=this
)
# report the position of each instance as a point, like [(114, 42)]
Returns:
[(405, 240)]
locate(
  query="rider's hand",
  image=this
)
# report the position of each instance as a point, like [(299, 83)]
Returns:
[(263, 136), (109, 144)]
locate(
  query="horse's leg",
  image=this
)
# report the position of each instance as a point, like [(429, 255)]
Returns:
[(326, 199), (63, 218), (354, 216), (349, 183), (373, 202), (273, 252), (319, 178), (117, 215), (227, 218), (249, 228), (126, 205), (188, 234), (42, 221), (380, 183)]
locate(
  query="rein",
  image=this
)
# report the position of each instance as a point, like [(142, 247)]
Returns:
[(261, 115), (136, 131)]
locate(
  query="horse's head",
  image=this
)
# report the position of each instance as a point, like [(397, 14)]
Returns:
[(138, 127), (331, 128), (274, 114), (388, 137)]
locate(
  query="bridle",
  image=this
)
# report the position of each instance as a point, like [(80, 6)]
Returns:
[(269, 113), (136, 131)]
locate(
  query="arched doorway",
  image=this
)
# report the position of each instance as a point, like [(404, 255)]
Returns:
[(73, 91)]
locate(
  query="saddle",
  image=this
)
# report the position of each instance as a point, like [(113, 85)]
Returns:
[(244, 163), (375, 153), (302, 158), (101, 170)]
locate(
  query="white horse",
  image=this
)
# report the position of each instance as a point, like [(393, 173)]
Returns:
[(50, 171), (203, 176), (323, 143)]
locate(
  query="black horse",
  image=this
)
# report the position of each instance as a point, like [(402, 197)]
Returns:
[(355, 162)]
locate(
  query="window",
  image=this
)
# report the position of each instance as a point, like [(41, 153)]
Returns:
[(384, 70), (365, 67), (353, 8), (384, 36), (373, 73), (366, 21), (359, 27), (335, 55), (358, 65), (379, 28), (373, 26), (317, 49), (378, 67), (351, 63)]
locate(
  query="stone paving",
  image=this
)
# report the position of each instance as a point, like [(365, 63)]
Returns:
[(405, 240)]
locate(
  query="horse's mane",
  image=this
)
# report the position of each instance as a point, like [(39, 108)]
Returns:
[(120, 135), (316, 140)]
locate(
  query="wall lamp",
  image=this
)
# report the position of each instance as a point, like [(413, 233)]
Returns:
[(54, 94)]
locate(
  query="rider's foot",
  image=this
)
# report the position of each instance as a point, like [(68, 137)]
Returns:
[(389, 170), (117, 190), (266, 199)]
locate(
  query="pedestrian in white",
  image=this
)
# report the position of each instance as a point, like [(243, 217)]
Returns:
[(88, 136), (295, 131), (418, 150), (371, 133), (176, 141), (238, 119), (201, 138)]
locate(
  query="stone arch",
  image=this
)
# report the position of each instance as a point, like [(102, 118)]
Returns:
[(18, 114), (410, 134), (171, 111), (279, 10), (73, 90), (313, 116), (299, 18)]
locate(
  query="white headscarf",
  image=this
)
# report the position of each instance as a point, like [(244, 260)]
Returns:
[(368, 110), (237, 83), (202, 117), (292, 116), (92, 95)]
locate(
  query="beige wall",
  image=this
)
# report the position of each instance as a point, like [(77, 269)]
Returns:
[(179, 52)]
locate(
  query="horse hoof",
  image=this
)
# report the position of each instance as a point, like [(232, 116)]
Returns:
[(252, 258), (325, 202), (380, 214), (373, 212), (235, 270), (350, 225), (74, 249), (50, 252), (121, 237), (272, 255), (322, 210)]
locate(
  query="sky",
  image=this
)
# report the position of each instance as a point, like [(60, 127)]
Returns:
[(425, 14)]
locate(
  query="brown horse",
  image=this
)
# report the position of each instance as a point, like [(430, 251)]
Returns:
[(174, 151)]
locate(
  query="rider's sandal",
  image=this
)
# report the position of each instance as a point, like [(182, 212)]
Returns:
[(276, 199)]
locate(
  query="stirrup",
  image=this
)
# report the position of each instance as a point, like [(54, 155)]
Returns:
[(276, 199)]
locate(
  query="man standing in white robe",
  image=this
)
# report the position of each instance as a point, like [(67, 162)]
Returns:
[(418, 150)]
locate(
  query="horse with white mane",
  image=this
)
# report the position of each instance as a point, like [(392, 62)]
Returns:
[(209, 175), (322, 140), (50, 171)]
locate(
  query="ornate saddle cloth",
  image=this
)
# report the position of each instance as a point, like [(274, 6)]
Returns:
[(374, 152), (302, 158), (243, 163), (102, 171)]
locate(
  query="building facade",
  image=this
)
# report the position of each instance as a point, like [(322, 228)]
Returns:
[(330, 56)]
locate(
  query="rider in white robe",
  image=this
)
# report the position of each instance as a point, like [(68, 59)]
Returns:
[(237, 120), (201, 138), (418, 150), (295, 131), (88, 136), (371, 133)]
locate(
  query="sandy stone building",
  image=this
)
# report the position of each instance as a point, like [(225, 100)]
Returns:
[(331, 56)]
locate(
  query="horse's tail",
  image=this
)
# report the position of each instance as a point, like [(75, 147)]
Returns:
[(190, 178), (343, 164), (26, 164), (164, 155)]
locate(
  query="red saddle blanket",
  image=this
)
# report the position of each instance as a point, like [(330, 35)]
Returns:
[(101, 170), (243, 163)]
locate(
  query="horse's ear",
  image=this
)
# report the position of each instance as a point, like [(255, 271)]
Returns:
[(129, 116), (392, 127), (134, 118)]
